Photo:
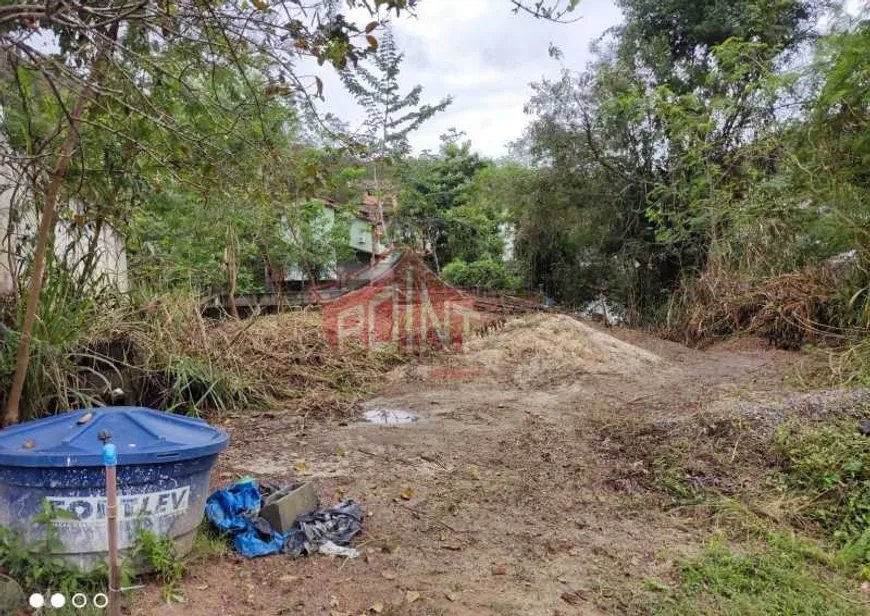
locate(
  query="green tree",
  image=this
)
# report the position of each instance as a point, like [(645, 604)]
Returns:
[(437, 211), (655, 141), (390, 115)]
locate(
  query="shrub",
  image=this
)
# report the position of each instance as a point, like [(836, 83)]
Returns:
[(831, 463)]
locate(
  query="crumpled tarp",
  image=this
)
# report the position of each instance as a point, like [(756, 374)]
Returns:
[(236, 511), (338, 524)]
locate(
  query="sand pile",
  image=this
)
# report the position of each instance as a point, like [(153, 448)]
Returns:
[(543, 349)]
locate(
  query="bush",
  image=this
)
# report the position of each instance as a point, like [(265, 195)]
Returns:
[(787, 310), (485, 273), (35, 565), (456, 273)]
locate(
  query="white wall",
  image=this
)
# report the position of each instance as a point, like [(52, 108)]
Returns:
[(5, 203), (70, 240), (361, 235)]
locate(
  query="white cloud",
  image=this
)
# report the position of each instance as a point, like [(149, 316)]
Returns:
[(484, 56)]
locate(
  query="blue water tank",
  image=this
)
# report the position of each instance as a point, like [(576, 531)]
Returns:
[(164, 466)]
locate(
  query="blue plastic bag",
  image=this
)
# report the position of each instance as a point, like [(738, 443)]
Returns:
[(230, 510), (234, 511), (252, 543)]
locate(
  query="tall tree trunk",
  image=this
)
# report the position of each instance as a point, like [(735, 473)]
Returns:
[(46, 226), (45, 232), (231, 272), (381, 224), (433, 242)]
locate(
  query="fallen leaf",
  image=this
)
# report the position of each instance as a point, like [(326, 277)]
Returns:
[(573, 598), (411, 596), (452, 596), (378, 607), (339, 451), (474, 471), (388, 575), (407, 494), (339, 494), (302, 466)]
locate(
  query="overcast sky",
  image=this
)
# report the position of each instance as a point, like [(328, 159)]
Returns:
[(485, 57)]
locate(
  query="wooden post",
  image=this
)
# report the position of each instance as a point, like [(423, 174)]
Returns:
[(112, 519), (110, 459)]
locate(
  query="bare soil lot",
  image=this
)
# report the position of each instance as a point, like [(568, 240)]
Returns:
[(507, 496)]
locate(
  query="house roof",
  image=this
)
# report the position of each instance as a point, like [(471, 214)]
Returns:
[(367, 205)]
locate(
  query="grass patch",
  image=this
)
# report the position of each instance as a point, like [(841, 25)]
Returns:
[(208, 544), (779, 577), (157, 555), (829, 466), (791, 511)]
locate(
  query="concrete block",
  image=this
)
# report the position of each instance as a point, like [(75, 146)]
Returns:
[(282, 507)]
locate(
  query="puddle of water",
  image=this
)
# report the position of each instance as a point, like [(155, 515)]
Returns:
[(389, 417)]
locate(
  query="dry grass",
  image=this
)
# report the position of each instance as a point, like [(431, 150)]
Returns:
[(729, 446), (170, 357), (787, 310), (288, 356)]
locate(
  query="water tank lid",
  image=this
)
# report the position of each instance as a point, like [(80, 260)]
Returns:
[(142, 436)]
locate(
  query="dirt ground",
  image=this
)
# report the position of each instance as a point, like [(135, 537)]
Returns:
[(516, 507)]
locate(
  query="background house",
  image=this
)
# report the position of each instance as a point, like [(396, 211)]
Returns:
[(366, 243)]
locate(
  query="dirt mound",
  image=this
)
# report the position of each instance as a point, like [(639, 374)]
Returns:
[(541, 349)]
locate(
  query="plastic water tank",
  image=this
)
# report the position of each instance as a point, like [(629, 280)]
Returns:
[(164, 466)]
